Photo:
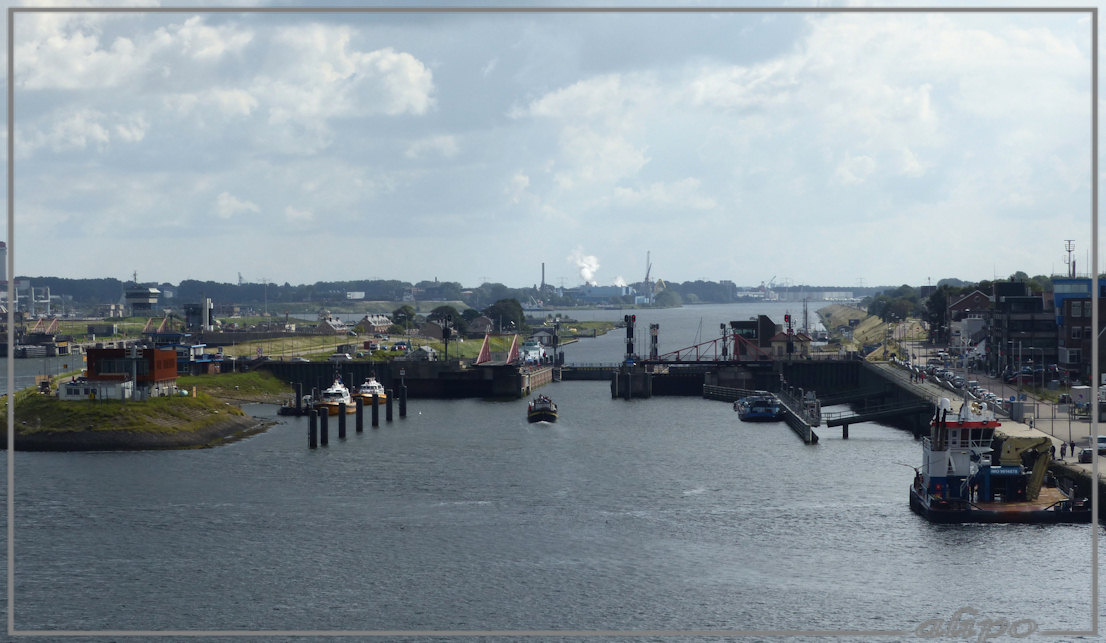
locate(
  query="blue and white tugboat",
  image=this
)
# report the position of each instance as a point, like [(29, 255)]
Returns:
[(759, 407), (958, 483)]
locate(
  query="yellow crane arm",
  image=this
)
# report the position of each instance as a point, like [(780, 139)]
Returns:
[(1012, 450)]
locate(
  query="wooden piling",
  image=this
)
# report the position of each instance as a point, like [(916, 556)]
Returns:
[(403, 401), (299, 398), (388, 406), (376, 411), (341, 420), (313, 430), (844, 431), (360, 416), (324, 433)]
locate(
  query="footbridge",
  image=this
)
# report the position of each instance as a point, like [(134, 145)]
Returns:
[(876, 413)]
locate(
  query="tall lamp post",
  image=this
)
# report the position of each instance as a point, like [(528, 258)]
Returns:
[(1042, 364)]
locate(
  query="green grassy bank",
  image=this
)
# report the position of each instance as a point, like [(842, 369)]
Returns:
[(43, 422)]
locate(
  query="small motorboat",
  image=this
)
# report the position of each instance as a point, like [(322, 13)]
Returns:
[(369, 388), (760, 407), (335, 396), (541, 409)]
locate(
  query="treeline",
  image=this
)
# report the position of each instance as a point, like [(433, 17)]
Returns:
[(93, 292), (906, 301)]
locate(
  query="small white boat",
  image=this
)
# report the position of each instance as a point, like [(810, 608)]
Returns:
[(333, 397), (369, 388)]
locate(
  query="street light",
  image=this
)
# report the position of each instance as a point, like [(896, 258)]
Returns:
[(1042, 363)]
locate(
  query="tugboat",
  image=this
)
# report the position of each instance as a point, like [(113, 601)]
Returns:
[(759, 407), (541, 409), (957, 483), (334, 396), (369, 388)]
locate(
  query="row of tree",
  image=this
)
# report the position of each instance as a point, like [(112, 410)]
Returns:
[(506, 313), (906, 302)]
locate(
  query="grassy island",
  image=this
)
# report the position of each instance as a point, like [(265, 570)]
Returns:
[(45, 423)]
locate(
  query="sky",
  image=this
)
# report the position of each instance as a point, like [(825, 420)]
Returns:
[(824, 149)]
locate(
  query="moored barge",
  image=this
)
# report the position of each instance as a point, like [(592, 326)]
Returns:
[(958, 483)]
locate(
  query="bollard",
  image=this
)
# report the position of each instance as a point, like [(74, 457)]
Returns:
[(403, 401), (376, 411), (341, 420), (844, 431), (324, 433), (313, 431), (388, 406), (360, 417)]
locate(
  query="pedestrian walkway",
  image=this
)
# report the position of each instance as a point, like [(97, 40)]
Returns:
[(1044, 418)]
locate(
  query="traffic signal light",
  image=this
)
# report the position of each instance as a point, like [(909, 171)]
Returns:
[(787, 318)]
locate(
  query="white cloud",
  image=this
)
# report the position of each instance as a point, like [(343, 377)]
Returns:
[(69, 51), (227, 205), (588, 156), (516, 187), (683, 194), (855, 169), (202, 42), (610, 100), (442, 146), (317, 73), (132, 129), (297, 215), (65, 131)]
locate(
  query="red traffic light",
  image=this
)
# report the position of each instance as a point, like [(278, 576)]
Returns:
[(633, 319), (787, 318)]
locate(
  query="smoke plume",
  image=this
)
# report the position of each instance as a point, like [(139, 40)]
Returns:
[(586, 264)]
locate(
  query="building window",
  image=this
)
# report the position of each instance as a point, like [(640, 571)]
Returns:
[(1077, 332), (1076, 309), (1074, 356)]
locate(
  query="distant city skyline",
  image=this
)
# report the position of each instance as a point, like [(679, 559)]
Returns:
[(829, 149)]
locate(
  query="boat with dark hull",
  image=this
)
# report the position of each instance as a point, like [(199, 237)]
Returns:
[(760, 407), (541, 409), (957, 482)]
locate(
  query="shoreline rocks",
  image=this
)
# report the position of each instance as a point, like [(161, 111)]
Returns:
[(222, 432)]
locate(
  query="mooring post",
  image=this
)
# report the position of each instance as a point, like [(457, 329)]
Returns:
[(844, 431), (388, 405), (360, 417), (313, 430), (403, 401), (299, 398), (376, 411), (341, 420), (324, 432)]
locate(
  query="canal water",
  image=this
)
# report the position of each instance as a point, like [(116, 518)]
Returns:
[(659, 514)]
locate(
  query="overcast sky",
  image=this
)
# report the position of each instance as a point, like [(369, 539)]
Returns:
[(821, 149)]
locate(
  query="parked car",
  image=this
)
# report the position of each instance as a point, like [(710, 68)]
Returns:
[(1102, 445), (341, 357), (1085, 455), (298, 359)]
